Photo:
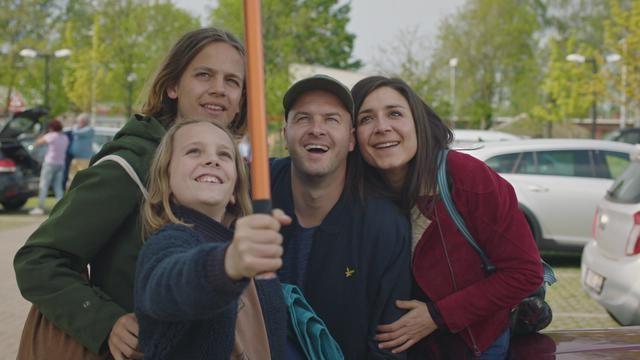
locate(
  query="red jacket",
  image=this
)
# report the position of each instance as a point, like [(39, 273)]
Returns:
[(477, 306)]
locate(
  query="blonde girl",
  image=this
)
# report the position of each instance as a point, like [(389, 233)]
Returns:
[(194, 293)]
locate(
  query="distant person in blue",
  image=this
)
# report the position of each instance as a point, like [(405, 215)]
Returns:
[(351, 259), (195, 297), (81, 148)]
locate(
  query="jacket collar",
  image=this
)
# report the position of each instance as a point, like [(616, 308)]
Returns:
[(202, 224), (283, 198)]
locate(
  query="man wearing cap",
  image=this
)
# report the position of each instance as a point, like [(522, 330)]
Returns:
[(351, 260)]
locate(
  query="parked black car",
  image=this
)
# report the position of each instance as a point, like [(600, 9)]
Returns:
[(19, 171)]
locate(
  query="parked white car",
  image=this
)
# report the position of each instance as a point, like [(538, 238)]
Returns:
[(558, 183), (463, 138), (611, 262)]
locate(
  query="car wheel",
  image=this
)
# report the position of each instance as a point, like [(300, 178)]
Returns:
[(533, 225), (13, 204)]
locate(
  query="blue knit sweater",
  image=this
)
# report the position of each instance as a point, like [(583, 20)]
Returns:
[(186, 304)]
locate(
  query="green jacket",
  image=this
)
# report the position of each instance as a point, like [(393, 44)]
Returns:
[(97, 223)]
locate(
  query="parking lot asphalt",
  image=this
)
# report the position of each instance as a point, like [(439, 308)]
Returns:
[(572, 308)]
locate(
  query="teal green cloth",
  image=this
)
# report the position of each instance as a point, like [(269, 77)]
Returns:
[(313, 335)]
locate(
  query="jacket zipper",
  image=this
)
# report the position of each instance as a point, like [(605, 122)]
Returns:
[(476, 351)]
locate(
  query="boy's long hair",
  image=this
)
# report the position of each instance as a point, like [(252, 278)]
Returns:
[(156, 210)]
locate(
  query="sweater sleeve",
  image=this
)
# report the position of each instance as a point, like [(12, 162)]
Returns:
[(394, 282), (179, 277), (492, 215), (49, 266)]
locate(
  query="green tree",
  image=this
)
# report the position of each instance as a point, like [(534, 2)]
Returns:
[(28, 24), (582, 20), (125, 37), (622, 36), (405, 58), (497, 72), (294, 31), (568, 88)]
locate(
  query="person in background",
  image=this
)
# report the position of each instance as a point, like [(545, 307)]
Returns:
[(350, 259), (97, 223), (53, 165), (458, 311), (81, 148)]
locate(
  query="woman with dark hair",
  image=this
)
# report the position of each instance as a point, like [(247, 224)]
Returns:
[(458, 311), (53, 166), (97, 223)]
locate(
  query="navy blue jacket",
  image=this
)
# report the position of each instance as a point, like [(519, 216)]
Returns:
[(186, 304), (359, 264)]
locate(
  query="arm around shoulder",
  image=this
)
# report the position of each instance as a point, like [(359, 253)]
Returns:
[(391, 236)]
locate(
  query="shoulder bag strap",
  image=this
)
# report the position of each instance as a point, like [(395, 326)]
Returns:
[(127, 167), (445, 194)]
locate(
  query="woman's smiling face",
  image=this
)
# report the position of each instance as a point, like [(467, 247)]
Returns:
[(386, 133)]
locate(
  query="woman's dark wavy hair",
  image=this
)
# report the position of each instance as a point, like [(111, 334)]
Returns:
[(432, 136), (165, 109)]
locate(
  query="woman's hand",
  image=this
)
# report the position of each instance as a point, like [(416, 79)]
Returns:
[(123, 340), (257, 245), (409, 329)]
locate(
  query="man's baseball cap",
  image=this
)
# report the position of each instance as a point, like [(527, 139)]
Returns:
[(318, 82)]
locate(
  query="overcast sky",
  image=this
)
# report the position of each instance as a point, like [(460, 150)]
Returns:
[(376, 22)]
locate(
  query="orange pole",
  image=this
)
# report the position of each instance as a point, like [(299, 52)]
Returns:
[(260, 186)]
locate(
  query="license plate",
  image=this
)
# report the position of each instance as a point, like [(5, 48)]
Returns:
[(594, 281)]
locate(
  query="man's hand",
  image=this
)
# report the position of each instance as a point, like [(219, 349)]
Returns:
[(409, 329), (123, 340), (257, 245)]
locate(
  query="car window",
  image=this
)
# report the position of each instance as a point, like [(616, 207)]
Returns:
[(527, 164), (630, 137), (557, 163), (626, 188), (22, 127), (503, 163), (610, 164)]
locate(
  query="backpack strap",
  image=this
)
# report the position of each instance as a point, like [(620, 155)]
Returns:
[(128, 169), (445, 194)]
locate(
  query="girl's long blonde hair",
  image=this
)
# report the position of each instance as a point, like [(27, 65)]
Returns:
[(156, 210)]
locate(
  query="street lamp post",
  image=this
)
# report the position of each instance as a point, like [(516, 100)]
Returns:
[(30, 53), (577, 58), (453, 63), (611, 58)]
